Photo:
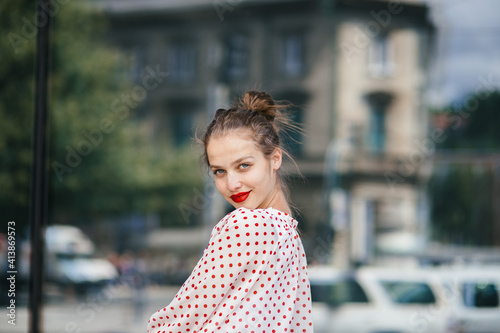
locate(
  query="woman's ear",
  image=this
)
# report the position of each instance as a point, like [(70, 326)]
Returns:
[(276, 158)]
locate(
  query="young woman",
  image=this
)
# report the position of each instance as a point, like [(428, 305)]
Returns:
[(252, 276)]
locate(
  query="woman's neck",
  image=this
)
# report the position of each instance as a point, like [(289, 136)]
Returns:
[(279, 202)]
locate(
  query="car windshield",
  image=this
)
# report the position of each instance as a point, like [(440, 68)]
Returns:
[(338, 292), (403, 292)]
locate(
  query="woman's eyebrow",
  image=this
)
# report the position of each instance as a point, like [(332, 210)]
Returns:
[(235, 162)]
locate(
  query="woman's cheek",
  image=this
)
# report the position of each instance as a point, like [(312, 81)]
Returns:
[(256, 178)]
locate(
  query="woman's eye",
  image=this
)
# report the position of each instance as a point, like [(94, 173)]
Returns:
[(244, 166), (218, 172)]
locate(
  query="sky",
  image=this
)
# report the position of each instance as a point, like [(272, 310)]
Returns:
[(467, 54)]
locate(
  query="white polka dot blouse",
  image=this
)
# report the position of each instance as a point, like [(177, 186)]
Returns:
[(252, 277)]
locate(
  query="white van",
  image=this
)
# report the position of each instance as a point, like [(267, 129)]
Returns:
[(376, 300), (71, 260), (473, 295)]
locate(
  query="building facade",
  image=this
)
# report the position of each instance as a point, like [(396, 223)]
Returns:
[(355, 72)]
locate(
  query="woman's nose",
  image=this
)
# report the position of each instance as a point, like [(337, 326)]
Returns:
[(233, 182)]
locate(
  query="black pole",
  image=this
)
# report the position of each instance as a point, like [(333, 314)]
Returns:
[(39, 177)]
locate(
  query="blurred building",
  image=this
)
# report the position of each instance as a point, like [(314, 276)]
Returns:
[(356, 73)]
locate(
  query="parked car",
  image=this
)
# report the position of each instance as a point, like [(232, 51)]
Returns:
[(473, 295), (370, 300), (71, 261)]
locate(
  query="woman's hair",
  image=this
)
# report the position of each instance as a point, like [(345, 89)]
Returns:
[(266, 119)]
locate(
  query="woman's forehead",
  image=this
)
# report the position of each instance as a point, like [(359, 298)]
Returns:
[(231, 147)]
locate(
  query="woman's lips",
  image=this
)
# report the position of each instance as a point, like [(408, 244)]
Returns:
[(240, 197)]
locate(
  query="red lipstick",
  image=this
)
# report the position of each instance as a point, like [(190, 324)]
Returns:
[(240, 197)]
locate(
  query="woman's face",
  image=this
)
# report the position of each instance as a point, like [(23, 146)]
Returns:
[(242, 173)]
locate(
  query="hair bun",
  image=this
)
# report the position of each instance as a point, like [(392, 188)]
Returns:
[(259, 102)]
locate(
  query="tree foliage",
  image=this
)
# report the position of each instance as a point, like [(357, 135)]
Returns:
[(462, 204), (462, 194), (16, 112), (473, 124), (103, 159)]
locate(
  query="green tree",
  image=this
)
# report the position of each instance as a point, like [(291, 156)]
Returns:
[(462, 194), (474, 123), (462, 204), (16, 110), (103, 163)]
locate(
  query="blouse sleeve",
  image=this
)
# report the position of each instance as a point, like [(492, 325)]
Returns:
[(238, 264)]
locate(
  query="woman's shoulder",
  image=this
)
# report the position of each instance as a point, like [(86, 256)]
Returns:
[(248, 213), (269, 225), (270, 215)]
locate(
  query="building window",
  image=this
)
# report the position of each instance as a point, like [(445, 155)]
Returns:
[(292, 55), (182, 62), (381, 57), (378, 103), (134, 64), (377, 130), (237, 57)]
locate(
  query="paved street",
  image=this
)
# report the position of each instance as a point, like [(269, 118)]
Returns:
[(114, 310)]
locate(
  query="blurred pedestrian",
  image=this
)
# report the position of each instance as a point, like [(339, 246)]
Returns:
[(253, 273)]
